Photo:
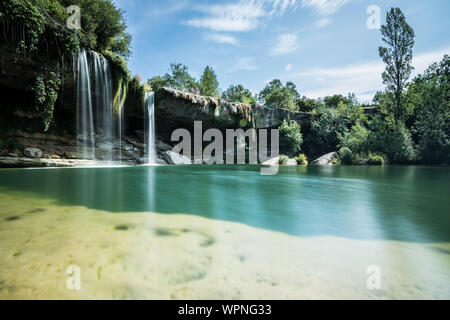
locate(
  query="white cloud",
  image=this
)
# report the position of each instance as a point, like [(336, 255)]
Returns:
[(244, 64), (241, 16), (222, 38), (363, 79), (287, 43), (323, 23), (324, 7), (289, 67)]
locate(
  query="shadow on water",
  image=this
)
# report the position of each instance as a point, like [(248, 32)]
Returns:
[(407, 203)]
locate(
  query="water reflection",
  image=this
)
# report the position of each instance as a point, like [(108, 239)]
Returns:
[(399, 203)]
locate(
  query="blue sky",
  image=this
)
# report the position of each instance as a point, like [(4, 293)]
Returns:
[(323, 46)]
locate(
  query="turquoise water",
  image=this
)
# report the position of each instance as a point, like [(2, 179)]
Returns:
[(406, 203)]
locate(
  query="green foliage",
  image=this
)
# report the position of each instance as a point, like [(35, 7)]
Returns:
[(355, 139), (325, 131), (46, 89), (103, 26), (399, 38), (157, 82), (282, 159), (291, 138), (306, 105), (238, 94), (179, 79), (135, 95), (346, 155), (430, 95), (395, 142), (375, 160), (301, 159), (208, 84), (275, 95)]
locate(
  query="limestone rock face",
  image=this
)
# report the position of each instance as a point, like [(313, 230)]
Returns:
[(264, 117), (175, 158), (33, 152), (183, 108), (326, 159)]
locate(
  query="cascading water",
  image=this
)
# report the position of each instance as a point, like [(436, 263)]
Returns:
[(85, 118), (150, 138), (96, 124), (104, 105)]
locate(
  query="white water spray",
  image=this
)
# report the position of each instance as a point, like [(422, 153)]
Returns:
[(150, 139)]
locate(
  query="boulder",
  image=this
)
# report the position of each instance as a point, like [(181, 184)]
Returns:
[(33, 152), (291, 162), (271, 161), (175, 158), (326, 159)]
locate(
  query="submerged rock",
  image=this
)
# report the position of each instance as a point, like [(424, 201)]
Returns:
[(175, 158), (326, 159), (33, 152)]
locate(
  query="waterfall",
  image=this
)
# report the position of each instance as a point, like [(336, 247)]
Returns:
[(85, 118), (96, 124), (149, 136), (104, 105)]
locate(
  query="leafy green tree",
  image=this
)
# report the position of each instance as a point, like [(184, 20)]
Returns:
[(103, 26), (355, 139), (208, 84), (325, 130), (157, 82), (275, 95), (307, 105), (398, 35), (430, 93), (291, 138), (238, 94)]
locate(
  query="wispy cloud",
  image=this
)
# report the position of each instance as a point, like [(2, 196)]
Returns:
[(241, 16), (287, 43), (324, 7), (244, 64), (323, 23), (288, 67), (364, 79), (221, 38)]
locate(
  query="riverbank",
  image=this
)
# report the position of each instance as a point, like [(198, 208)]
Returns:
[(157, 256)]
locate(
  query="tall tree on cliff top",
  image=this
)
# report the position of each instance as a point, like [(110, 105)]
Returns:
[(208, 85), (399, 38)]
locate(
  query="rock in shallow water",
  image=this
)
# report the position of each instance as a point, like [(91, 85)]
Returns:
[(175, 158), (33, 152), (326, 159)]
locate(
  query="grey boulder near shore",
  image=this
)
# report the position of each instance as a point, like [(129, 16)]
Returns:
[(326, 159)]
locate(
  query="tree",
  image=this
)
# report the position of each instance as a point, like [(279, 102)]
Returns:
[(430, 93), (275, 95), (291, 138), (157, 82), (238, 94), (397, 55), (103, 25), (208, 85)]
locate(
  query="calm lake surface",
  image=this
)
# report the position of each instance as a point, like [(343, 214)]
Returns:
[(399, 215)]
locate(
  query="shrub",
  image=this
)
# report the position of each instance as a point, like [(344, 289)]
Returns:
[(346, 155), (291, 138), (375, 160), (283, 159), (301, 159), (355, 139)]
